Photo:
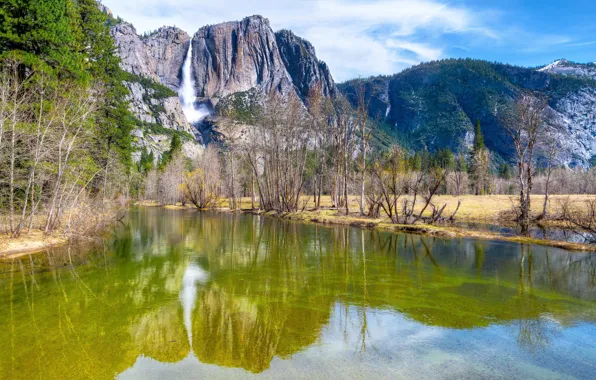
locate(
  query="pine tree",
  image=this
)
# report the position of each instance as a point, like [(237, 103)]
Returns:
[(416, 162), (175, 147), (42, 35), (425, 160), (461, 164), (505, 171), (478, 138), (146, 161), (444, 159), (114, 122), (479, 163)]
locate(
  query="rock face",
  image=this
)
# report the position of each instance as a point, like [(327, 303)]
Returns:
[(155, 60), (165, 111), (158, 56), (436, 104), (300, 60), (237, 56), (227, 58)]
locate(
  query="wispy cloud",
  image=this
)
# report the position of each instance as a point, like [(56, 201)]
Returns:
[(583, 43)]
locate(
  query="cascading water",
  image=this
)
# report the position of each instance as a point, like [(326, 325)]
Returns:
[(187, 92)]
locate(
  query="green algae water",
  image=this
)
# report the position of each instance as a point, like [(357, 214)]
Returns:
[(182, 294)]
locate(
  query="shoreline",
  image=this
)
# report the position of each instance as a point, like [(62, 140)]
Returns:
[(442, 231), (37, 241), (34, 241)]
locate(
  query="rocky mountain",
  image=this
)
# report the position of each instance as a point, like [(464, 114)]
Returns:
[(431, 105), (227, 58), (158, 56), (300, 60), (436, 104), (242, 55), (230, 58), (153, 63)]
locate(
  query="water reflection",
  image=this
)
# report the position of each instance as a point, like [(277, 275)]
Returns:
[(188, 294), (182, 294)]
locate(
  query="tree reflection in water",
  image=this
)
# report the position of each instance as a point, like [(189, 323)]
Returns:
[(240, 291)]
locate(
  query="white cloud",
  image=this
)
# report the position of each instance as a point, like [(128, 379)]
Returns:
[(353, 37)]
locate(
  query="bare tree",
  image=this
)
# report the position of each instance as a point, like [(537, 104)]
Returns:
[(361, 121), (550, 149), (524, 123), (277, 149), (202, 185)]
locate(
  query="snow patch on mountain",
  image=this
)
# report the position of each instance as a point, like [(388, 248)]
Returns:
[(565, 67), (576, 115)]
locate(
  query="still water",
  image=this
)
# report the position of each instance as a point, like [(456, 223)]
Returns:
[(182, 294)]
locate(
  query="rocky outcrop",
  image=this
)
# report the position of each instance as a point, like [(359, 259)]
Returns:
[(154, 62), (227, 58), (166, 112), (167, 50), (300, 60), (238, 56), (157, 113), (243, 57), (159, 55)]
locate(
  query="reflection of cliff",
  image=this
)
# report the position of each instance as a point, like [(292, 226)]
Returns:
[(232, 331), (160, 334)]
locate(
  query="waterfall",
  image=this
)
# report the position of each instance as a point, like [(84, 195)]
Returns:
[(187, 92), (188, 294)]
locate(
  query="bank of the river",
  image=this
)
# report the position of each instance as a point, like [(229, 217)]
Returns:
[(31, 242), (333, 217), (445, 231)]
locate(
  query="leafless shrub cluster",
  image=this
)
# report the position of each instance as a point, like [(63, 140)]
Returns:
[(397, 189), (582, 217), (46, 151)]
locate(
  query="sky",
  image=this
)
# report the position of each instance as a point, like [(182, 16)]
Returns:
[(361, 38)]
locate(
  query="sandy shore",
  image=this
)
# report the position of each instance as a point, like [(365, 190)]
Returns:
[(31, 242)]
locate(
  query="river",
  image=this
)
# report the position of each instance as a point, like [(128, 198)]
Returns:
[(184, 294)]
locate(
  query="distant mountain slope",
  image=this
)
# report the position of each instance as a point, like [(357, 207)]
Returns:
[(436, 104), (565, 67)]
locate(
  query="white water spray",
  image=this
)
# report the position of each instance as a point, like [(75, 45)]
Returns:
[(188, 294), (187, 92)]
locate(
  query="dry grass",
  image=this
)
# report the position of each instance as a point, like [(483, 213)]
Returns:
[(474, 208), (33, 241)]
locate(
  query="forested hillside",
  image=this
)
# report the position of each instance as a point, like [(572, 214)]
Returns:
[(437, 104)]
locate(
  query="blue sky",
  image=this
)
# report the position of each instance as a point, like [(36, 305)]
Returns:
[(362, 38)]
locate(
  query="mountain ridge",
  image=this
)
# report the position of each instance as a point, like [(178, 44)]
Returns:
[(436, 104), (430, 105)]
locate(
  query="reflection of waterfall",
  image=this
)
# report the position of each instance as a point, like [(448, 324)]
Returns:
[(187, 92), (188, 294)]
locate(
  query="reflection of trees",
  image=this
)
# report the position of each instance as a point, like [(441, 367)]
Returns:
[(272, 288), (533, 332), (91, 318)]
